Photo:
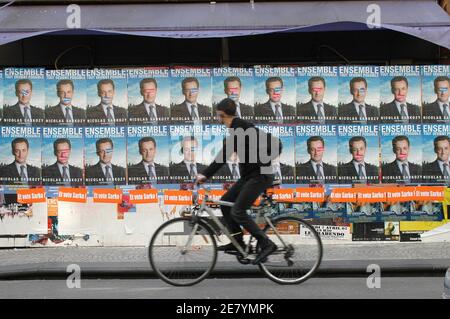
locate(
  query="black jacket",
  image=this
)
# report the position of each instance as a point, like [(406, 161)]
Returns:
[(54, 115), (137, 114), (13, 115), (247, 150), (138, 173), (391, 172), (389, 113), (347, 114), (52, 176), (10, 175), (96, 115), (432, 113)]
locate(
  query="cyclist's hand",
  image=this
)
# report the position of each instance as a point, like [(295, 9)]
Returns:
[(200, 179)]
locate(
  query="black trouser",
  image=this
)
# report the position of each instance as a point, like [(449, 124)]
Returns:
[(244, 193)]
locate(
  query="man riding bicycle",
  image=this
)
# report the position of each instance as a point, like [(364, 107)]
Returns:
[(256, 176)]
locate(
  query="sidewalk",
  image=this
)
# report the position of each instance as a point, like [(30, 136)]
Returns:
[(351, 259)]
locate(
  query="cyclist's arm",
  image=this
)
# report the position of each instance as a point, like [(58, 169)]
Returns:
[(219, 160)]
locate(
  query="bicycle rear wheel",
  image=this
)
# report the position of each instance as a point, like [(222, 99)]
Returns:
[(183, 253), (299, 252)]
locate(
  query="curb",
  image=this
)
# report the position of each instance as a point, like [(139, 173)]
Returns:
[(143, 269)]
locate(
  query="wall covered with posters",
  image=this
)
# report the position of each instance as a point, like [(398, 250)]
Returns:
[(76, 132)]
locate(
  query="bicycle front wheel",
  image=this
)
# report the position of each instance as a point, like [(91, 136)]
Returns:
[(183, 253), (299, 252)]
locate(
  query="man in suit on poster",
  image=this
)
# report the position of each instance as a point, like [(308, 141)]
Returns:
[(315, 170), (357, 169), (147, 170), (401, 169), (65, 112), (274, 110), (399, 110), (439, 111), (19, 170), (188, 168), (23, 112), (282, 172), (61, 172), (148, 111), (316, 110), (104, 171), (232, 88), (358, 111), (230, 171), (106, 112), (190, 109), (439, 170)]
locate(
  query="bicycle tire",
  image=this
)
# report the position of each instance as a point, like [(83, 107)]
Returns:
[(168, 241), (275, 266)]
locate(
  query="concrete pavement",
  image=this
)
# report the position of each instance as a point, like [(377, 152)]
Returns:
[(133, 261)]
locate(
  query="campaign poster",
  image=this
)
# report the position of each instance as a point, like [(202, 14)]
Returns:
[(435, 93), (359, 94), (190, 96), (148, 154), (401, 153), (317, 94), (436, 153), (230, 170), (107, 97), (426, 211), (400, 94), (65, 97), (283, 166), (328, 209), (148, 96), (62, 156), (358, 154), (238, 85), (275, 94), (105, 155), (363, 212), (316, 154), (376, 231), (23, 96), (186, 152), (20, 155), (396, 211), (1, 95)]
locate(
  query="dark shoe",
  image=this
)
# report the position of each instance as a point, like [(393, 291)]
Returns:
[(230, 247), (264, 253)]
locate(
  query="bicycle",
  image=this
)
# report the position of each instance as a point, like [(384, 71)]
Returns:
[(183, 251)]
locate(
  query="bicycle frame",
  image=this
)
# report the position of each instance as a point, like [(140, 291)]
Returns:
[(205, 207)]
